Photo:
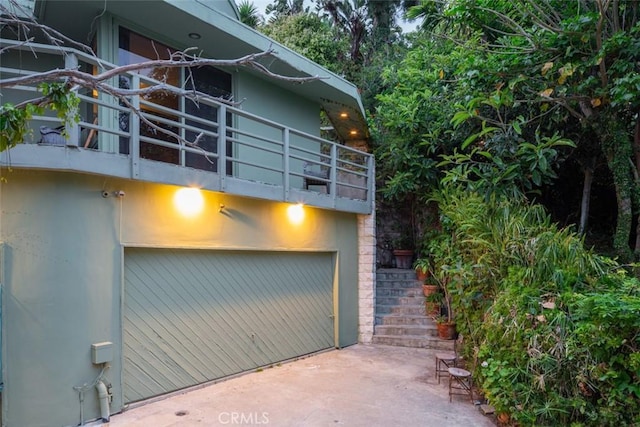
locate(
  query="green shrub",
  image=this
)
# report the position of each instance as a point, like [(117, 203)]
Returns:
[(552, 329)]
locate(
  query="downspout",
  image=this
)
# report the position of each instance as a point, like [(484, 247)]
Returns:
[(103, 394), (103, 397)]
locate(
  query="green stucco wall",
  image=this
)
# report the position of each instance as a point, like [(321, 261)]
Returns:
[(283, 107), (63, 271)]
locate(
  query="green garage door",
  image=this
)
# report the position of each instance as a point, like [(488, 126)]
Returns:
[(191, 316)]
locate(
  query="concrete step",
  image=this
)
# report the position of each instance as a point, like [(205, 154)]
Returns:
[(397, 284), (401, 319), (399, 292), (406, 330), (395, 274), (411, 310), (404, 301), (413, 341)]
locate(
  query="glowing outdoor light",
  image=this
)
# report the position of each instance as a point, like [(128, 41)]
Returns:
[(295, 213), (189, 201)]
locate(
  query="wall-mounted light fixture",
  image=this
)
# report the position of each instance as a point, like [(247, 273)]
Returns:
[(118, 193), (189, 201), (296, 213)]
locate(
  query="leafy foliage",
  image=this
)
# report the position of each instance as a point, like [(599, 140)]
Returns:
[(14, 118), (550, 327), (500, 93), (249, 14), (309, 35)]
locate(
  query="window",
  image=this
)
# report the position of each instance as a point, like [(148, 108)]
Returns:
[(162, 109)]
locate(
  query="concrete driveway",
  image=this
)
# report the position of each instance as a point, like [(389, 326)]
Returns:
[(361, 385)]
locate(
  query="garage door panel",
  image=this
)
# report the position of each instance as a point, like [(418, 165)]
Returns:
[(192, 316)]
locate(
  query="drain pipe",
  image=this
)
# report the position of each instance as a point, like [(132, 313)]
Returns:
[(100, 386), (103, 397)]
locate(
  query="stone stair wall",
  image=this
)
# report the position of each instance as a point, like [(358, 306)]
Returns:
[(400, 317)]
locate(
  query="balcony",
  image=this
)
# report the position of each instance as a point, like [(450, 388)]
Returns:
[(237, 152)]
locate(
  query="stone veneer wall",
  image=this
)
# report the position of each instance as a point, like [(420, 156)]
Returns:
[(366, 263), (366, 276)]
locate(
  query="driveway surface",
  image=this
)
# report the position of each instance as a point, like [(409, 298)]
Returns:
[(361, 385)]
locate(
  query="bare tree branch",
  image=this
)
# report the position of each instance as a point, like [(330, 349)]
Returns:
[(103, 82)]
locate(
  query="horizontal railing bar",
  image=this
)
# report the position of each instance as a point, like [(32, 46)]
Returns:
[(342, 163), (353, 150), (166, 144), (345, 163), (98, 128), (346, 184), (96, 101), (240, 132), (17, 71), (313, 177), (257, 165), (24, 88), (309, 136), (352, 173), (315, 154), (257, 147), (44, 48), (201, 151)]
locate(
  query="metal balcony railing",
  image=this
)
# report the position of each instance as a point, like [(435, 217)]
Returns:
[(244, 153)]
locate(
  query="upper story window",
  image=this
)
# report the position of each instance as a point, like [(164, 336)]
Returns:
[(166, 109)]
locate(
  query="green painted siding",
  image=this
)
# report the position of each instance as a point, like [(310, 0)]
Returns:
[(283, 107), (194, 316), (64, 268)]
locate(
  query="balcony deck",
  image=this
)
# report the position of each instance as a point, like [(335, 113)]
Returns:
[(237, 152)]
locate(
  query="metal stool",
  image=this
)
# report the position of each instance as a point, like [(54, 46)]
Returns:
[(460, 381), (444, 361)]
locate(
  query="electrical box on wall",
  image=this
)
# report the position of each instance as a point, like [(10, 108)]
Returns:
[(102, 352)]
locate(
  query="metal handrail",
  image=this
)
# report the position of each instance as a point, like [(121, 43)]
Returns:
[(281, 159)]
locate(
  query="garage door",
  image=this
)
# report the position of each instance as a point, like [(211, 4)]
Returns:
[(192, 316)]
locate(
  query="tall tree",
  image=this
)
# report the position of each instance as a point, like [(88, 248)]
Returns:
[(351, 18), (556, 67), (249, 14), (311, 36), (285, 7)]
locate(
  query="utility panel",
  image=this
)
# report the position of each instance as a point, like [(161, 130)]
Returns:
[(102, 352)]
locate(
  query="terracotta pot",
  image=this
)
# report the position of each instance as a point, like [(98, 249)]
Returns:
[(404, 258), (421, 275), (447, 331), (503, 418), (429, 289), (432, 308)]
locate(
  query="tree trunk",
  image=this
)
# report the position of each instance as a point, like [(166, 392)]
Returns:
[(586, 199), (636, 152), (619, 151)]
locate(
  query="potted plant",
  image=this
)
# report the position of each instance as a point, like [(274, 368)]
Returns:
[(432, 304), (403, 252), (445, 322), (430, 286), (423, 268)]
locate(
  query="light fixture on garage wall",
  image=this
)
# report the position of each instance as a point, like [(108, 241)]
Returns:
[(189, 201), (118, 193), (296, 213)]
